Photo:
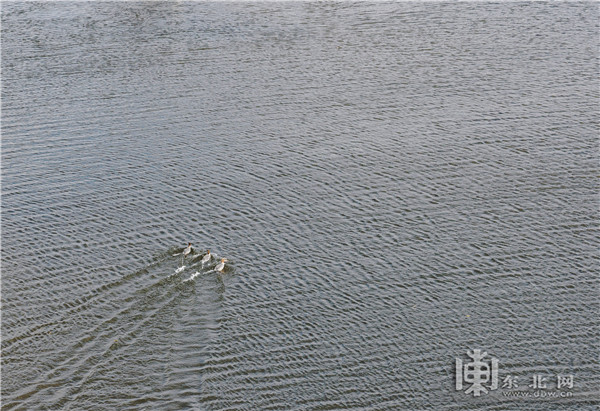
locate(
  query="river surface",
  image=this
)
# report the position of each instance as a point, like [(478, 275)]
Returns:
[(393, 184)]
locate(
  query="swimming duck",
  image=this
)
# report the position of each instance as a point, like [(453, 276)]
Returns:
[(206, 258), (187, 250), (221, 265)]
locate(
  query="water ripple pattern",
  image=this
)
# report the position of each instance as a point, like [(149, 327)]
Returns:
[(392, 183)]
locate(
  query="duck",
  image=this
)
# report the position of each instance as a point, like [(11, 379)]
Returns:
[(187, 250), (206, 257), (221, 265)]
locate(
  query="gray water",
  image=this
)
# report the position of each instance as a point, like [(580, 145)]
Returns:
[(393, 184)]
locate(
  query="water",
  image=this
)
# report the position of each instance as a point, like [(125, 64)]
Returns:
[(393, 184)]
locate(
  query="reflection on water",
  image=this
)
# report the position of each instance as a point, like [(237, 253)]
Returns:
[(393, 183)]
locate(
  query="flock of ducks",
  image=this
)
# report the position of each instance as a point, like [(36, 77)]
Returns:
[(207, 257)]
